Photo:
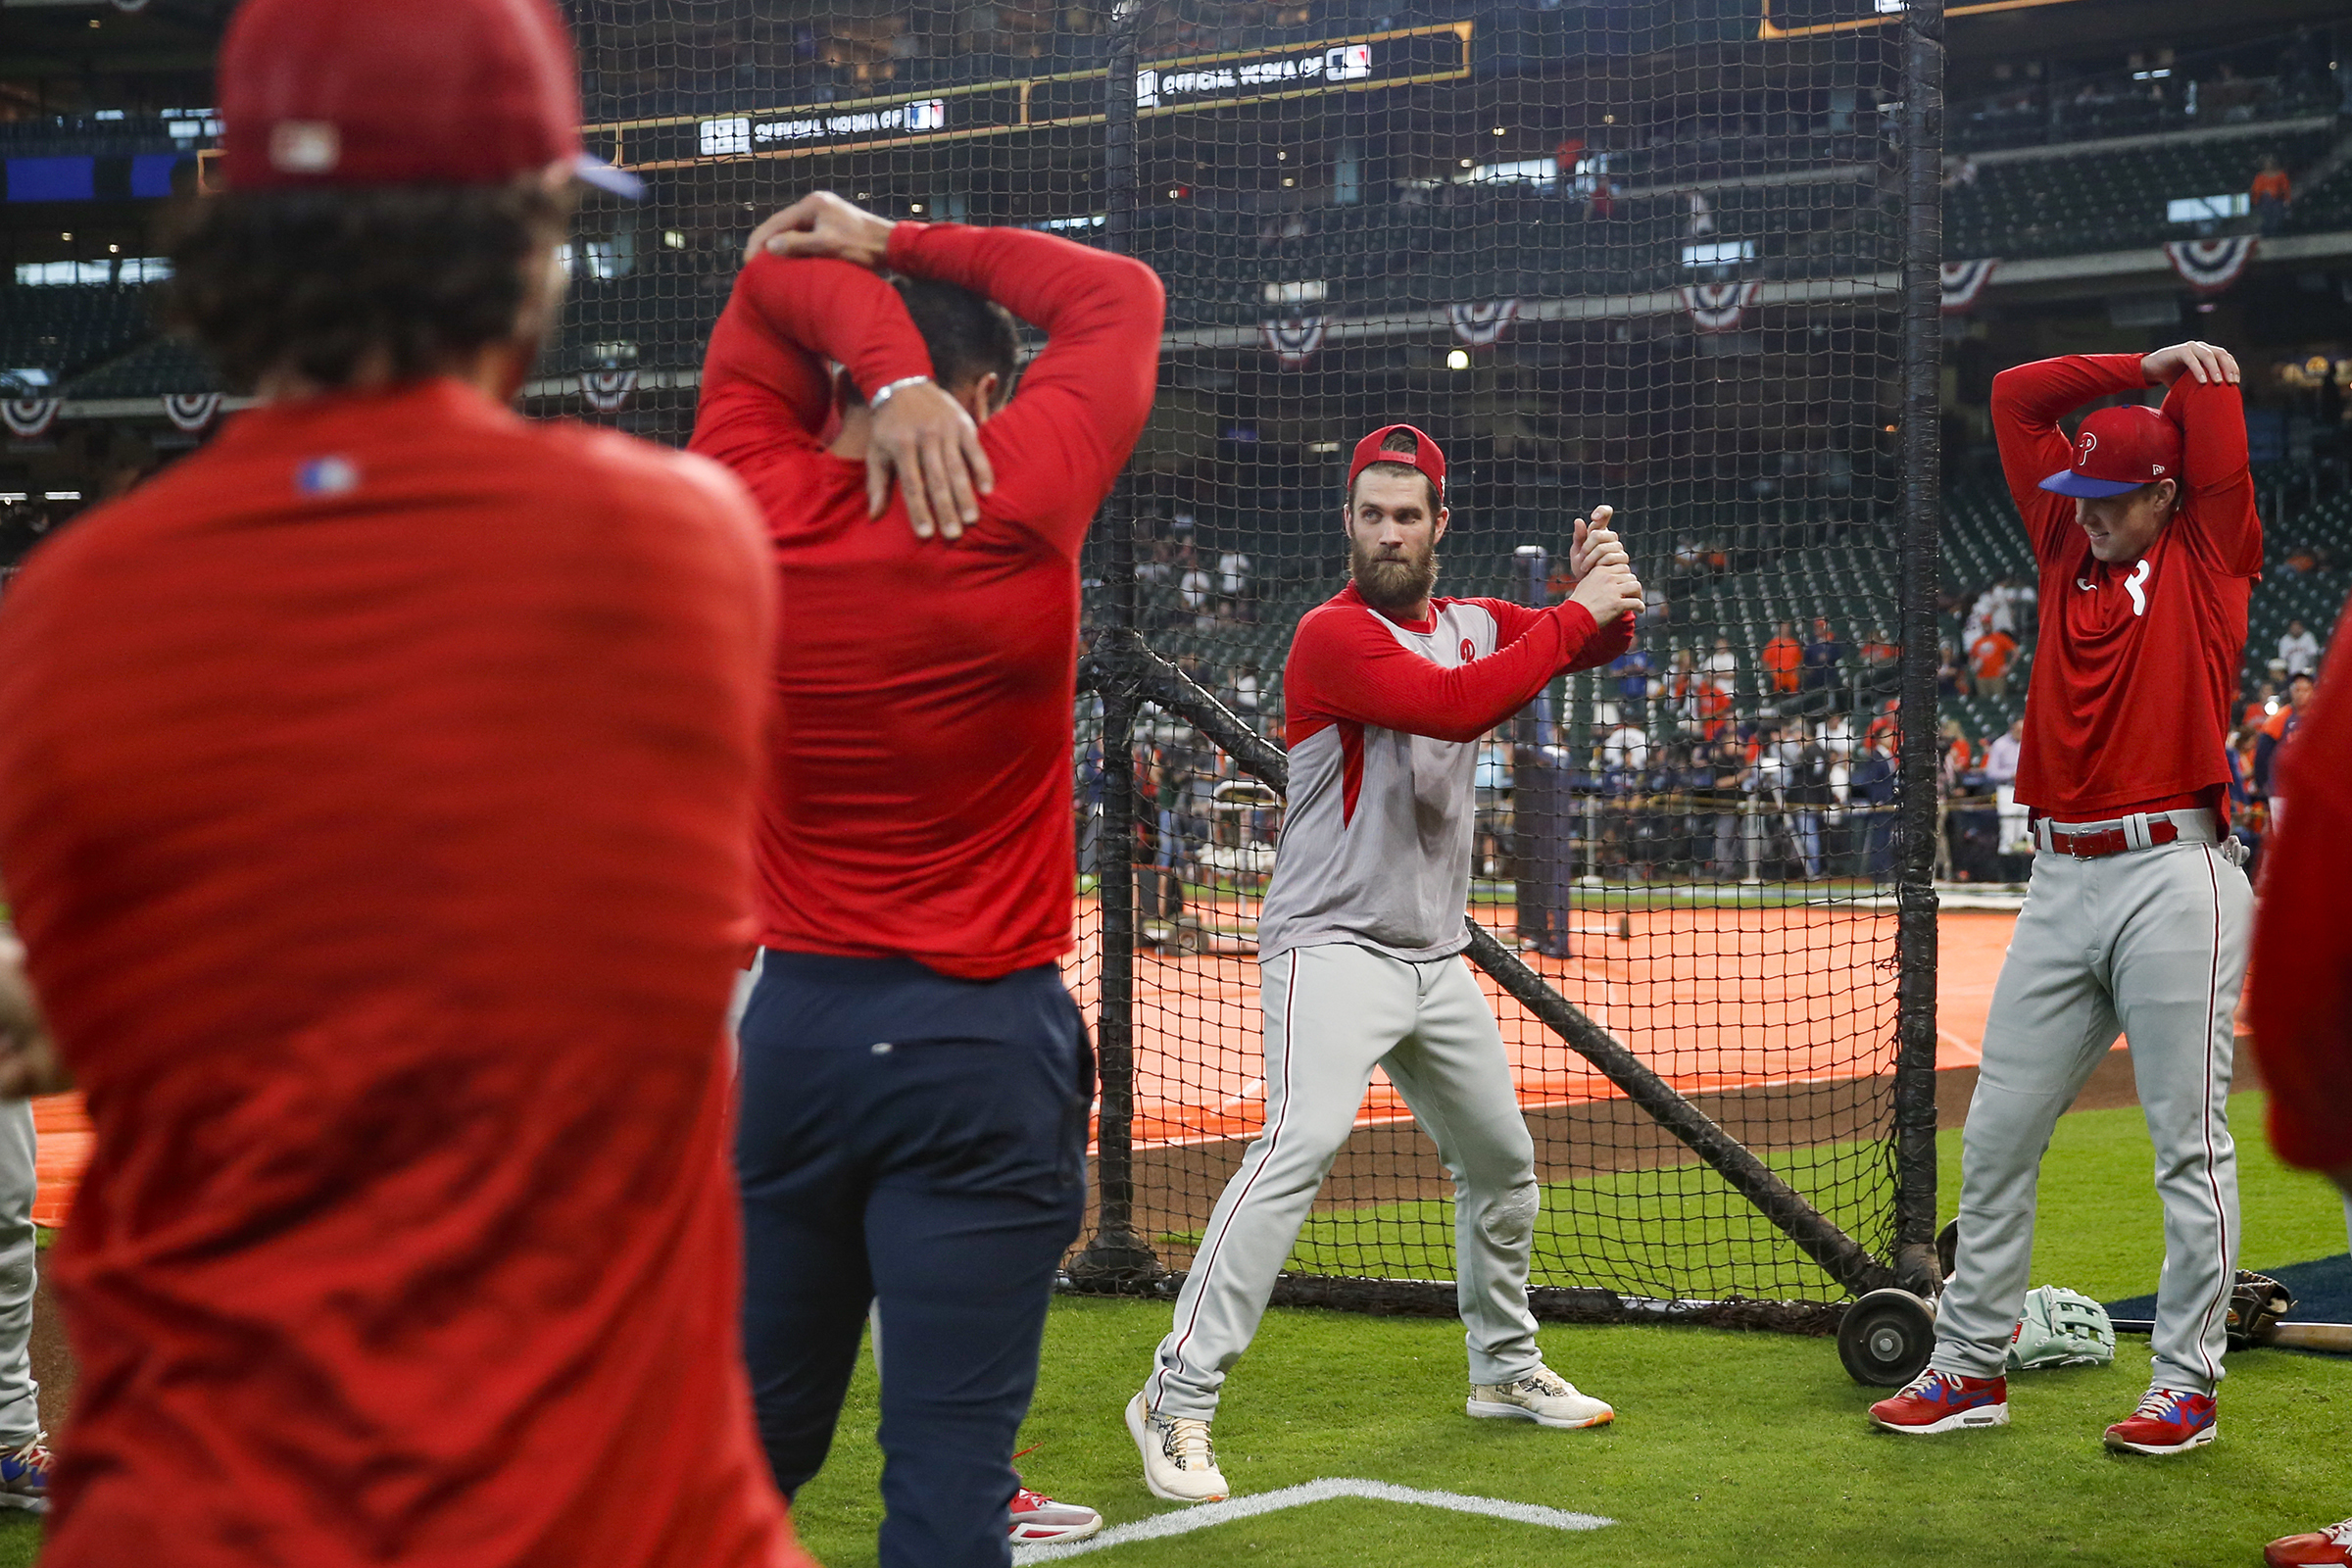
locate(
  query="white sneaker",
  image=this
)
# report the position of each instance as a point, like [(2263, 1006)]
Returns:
[(1543, 1396), (1035, 1517), (1179, 1462)]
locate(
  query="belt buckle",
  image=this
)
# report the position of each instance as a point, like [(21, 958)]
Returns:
[(2087, 845)]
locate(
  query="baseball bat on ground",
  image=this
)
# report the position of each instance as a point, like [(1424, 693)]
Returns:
[(2334, 1338)]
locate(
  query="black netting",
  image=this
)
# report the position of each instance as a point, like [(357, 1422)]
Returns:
[(1650, 256)]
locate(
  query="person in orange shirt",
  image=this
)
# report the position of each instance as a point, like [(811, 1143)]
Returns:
[(376, 797), (1783, 659), (2269, 193), (1988, 659)]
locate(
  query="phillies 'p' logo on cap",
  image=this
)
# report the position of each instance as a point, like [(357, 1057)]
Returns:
[(2118, 450)]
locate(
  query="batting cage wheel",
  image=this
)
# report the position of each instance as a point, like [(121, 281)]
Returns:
[(1886, 1338)]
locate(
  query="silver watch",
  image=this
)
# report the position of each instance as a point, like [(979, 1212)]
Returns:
[(884, 394)]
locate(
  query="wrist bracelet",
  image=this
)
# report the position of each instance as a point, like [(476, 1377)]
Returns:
[(884, 394)]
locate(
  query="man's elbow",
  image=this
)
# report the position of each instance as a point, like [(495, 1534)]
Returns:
[(1140, 289), (2009, 387)]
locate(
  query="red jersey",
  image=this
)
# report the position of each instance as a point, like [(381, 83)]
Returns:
[(1989, 655), (920, 796), (1383, 717), (2135, 663), (2300, 987), (375, 796)]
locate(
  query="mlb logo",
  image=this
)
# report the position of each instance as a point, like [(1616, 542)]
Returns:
[(326, 477)]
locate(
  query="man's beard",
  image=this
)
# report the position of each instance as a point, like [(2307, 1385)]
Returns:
[(1392, 582)]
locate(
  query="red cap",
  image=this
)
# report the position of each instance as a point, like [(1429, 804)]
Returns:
[(2118, 450), (1425, 456), (332, 93)]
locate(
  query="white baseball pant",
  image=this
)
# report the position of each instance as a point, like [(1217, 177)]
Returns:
[(20, 1395), (1333, 1013), (2153, 941)]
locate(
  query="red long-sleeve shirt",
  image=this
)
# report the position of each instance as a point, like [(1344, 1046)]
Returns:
[(2135, 663), (376, 790), (2300, 990), (1345, 667), (919, 802), (1383, 717)]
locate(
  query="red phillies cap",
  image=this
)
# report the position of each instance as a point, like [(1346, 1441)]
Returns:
[(331, 94), (2118, 450), (1425, 456)]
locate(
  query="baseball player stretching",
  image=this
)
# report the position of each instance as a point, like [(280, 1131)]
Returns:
[(1386, 693), (2137, 917)]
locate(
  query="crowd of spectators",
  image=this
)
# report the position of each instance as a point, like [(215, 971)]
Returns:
[(2150, 88), (1203, 586)]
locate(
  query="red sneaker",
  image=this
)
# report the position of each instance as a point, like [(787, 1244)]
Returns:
[(2330, 1547), (2168, 1421), (1037, 1517), (1944, 1402)]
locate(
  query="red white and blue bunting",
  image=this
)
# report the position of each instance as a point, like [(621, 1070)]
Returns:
[(2209, 266), (1718, 307), (1478, 325), (191, 410), (1963, 281), (27, 417), (1294, 341), (608, 391)]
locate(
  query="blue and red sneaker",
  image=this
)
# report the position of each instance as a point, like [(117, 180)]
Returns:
[(24, 1477), (2168, 1421), (1944, 1402)]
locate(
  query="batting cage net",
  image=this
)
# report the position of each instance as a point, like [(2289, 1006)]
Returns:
[(1675, 258)]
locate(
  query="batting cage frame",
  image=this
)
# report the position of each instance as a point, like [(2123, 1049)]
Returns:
[(1680, 258), (1127, 676)]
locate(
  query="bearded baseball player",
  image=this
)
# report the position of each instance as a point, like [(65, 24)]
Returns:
[(1386, 692), (2139, 914)]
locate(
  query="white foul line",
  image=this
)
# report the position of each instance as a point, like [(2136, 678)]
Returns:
[(1184, 1521)]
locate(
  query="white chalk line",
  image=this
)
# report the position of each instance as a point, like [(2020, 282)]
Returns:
[(1204, 1515)]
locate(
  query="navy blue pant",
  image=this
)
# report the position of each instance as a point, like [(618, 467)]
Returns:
[(918, 1142)]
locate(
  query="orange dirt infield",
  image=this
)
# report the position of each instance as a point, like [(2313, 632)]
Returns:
[(1711, 998)]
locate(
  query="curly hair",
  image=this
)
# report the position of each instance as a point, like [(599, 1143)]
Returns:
[(406, 279)]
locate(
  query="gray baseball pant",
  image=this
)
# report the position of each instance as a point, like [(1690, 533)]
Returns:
[(1333, 1013), (20, 1395), (2153, 941)]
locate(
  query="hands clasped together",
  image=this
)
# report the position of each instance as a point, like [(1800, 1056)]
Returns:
[(921, 437), (1605, 583)]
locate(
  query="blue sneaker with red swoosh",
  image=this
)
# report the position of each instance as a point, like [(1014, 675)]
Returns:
[(2168, 1421), (1944, 1402)]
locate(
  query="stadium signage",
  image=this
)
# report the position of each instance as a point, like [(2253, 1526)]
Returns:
[(1440, 52), (1346, 62), (736, 134)]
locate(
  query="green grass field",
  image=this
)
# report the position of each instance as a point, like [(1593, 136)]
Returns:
[(1729, 1448), (1744, 1448)]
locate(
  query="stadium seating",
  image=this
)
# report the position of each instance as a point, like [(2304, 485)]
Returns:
[(2070, 203), (63, 331)]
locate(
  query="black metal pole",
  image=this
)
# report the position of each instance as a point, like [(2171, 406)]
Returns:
[(1115, 1256), (1922, 455)]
